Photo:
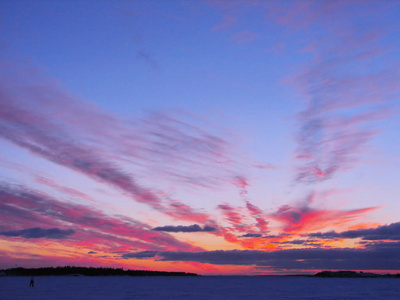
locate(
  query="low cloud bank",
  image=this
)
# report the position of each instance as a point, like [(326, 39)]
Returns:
[(385, 232), (140, 255), (375, 256)]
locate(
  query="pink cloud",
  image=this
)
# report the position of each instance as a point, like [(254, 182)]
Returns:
[(228, 22), (181, 211), (244, 36), (160, 143), (324, 152), (234, 217), (23, 209), (327, 14), (176, 147), (241, 182), (348, 74), (35, 132), (66, 190), (343, 93), (302, 217), (259, 216), (267, 166)]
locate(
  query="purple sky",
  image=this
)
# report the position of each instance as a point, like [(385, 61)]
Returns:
[(218, 137)]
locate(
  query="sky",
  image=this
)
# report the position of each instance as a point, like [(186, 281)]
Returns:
[(214, 137)]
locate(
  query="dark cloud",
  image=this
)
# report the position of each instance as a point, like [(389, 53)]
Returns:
[(385, 232), (295, 242), (310, 243), (271, 236), (251, 235), (140, 255), (37, 232), (377, 256), (181, 228), (92, 252)]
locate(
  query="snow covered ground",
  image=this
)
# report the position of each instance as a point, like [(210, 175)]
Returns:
[(143, 288)]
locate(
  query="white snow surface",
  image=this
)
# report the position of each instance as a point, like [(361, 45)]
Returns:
[(235, 287)]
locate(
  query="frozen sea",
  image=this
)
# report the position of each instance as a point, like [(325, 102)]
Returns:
[(205, 287)]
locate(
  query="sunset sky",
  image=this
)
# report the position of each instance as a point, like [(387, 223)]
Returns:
[(215, 137)]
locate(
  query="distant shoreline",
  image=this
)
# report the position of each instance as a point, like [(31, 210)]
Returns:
[(353, 274), (86, 271), (91, 271)]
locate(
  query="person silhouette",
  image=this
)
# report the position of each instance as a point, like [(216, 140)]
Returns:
[(32, 283)]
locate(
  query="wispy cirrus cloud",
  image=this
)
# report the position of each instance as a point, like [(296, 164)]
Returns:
[(181, 211), (182, 147), (228, 22), (259, 216), (24, 208), (234, 217), (343, 92), (63, 189), (255, 212), (161, 144), (244, 36), (39, 134)]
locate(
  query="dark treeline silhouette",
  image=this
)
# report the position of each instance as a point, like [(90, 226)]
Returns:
[(78, 271), (353, 274)]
